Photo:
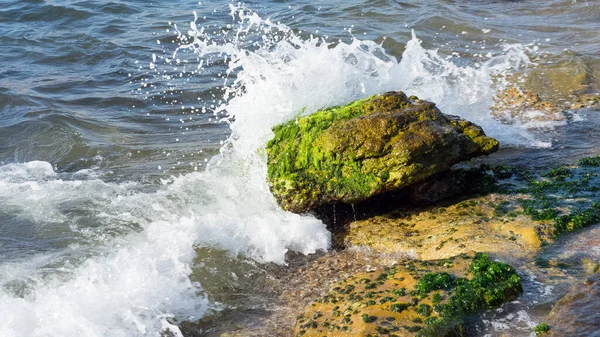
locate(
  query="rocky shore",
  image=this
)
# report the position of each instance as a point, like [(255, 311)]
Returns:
[(421, 246)]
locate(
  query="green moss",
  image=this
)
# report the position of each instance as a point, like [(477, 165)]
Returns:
[(297, 157), (333, 156), (550, 196), (590, 161), (424, 310), (541, 328), (491, 284), (368, 319), (436, 298), (446, 291), (434, 281), (399, 292), (398, 307)]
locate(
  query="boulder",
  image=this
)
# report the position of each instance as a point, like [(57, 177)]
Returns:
[(351, 153), (578, 312), (411, 298)]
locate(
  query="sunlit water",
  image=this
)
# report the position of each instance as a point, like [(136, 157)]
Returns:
[(133, 139)]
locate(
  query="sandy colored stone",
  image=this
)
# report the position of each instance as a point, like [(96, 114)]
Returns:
[(412, 298), (557, 77), (444, 231), (524, 106), (549, 87)]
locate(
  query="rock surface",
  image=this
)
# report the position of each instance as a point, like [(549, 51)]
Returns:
[(444, 231), (547, 89), (524, 106), (412, 298), (351, 153), (577, 313), (528, 210), (557, 78)]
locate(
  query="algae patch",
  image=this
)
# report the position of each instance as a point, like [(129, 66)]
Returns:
[(412, 298)]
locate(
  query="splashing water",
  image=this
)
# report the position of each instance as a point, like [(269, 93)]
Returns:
[(283, 74), (125, 253)]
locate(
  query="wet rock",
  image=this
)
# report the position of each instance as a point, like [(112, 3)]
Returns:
[(412, 298), (546, 90), (577, 313), (351, 153), (516, 105), (513, 216), (446, 230), (585, 101), (590, 266), (556, 78), (268, 305)]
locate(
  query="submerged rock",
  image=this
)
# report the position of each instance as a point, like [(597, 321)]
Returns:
[(544, 92), (578, 312), (556, 78), (523, 106), (413, 298), (350, 153)]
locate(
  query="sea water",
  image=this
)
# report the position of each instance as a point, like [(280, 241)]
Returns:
[(133, 134)]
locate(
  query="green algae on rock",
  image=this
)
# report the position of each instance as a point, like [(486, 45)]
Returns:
[(412, 298), (541, 329), (351, 153)]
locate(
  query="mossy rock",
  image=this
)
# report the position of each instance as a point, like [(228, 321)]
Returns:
[(412, 298), (351, 153)]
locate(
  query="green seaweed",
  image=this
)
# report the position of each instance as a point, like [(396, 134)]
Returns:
[(565, 197), (434, 281), (333, 156), (490, 285), (541, 329), (368, 319), (398, 307), (590, 161), (482, 284)]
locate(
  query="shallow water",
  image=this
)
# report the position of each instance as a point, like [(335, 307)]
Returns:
[(131, 152)]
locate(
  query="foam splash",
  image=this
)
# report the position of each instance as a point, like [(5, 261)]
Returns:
[(128, 270), (307, 74), (123, 267)]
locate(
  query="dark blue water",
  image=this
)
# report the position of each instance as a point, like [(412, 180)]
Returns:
[(108, 123), (70, 69)]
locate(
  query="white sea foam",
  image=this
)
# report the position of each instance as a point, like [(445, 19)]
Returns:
[(122, 256), (141, 247)]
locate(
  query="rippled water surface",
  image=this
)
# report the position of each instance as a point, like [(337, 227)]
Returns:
[(130, 139)]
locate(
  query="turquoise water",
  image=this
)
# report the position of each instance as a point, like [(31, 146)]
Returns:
[(130, 139)]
